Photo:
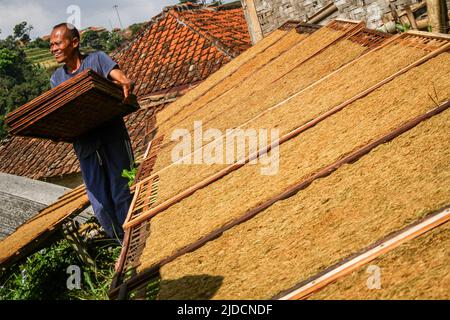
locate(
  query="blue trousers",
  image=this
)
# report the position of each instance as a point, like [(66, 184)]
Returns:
[(107, 190)]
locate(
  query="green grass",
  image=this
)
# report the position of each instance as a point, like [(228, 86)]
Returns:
[(40, 57), (43, 57)]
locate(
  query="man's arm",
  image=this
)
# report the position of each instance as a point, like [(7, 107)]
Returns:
[(120, 78)]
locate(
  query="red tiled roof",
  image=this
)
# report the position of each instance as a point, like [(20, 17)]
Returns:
[(181, 47), (227, 26), (177, 49)]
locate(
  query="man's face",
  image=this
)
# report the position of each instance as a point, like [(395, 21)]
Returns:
[(62, 46)]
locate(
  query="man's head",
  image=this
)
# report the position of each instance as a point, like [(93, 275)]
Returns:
[(64, 42)]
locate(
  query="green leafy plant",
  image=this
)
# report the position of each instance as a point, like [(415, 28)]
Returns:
[(402, 27), (130, 175), (96, 282), (105, 40), (43, 276)]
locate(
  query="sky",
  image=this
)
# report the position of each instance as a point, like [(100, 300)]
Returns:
[(44, 14)]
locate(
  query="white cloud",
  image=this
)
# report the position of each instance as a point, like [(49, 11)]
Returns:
[(43, 14), (36, 15)]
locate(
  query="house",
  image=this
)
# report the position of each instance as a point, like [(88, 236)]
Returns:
[(22, 198), (174, 52), (263, 16)]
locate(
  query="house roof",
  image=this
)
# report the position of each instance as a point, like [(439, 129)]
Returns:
[(321, 225), (351, 124), (182, 46), (33, 234), (22, 198), (175, 51)]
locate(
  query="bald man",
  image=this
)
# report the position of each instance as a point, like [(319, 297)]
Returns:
[(104, 152)]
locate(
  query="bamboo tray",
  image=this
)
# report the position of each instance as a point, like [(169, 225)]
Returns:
[(71, 109)]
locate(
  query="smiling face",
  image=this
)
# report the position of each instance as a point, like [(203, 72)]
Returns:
[(62, 46)]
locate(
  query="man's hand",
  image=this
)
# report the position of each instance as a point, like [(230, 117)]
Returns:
[(121, 79), (128, 87)]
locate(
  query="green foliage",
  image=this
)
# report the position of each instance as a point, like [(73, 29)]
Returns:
[(43, 276), (22, 32), (96, 283), (130, 175), (8, 59), (402, 27), (39, 43), (114, 41), (3, 131), (91, 39), (20, 80), (104, 41), (135, 27)]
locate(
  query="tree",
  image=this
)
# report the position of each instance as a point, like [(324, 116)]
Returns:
[(21, 32), (135, 27), (91, 38), (20, 80), (8, 60), (39, 43), (114, 41), (105, 40)]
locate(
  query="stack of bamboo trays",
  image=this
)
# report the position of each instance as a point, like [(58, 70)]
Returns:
[(71, 109)]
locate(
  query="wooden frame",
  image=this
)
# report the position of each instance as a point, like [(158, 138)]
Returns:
[(388, 41), (169, 202), (332, 274), (432, 35), (325, 171), (49, 233), (289, 192)]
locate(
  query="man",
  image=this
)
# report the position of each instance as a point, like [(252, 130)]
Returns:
[(104, 152)]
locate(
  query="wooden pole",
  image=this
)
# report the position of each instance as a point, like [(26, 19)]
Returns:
[(437, 15), (251, 15), (323, 13), (411, 18), (445, 17), (422, 24)]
